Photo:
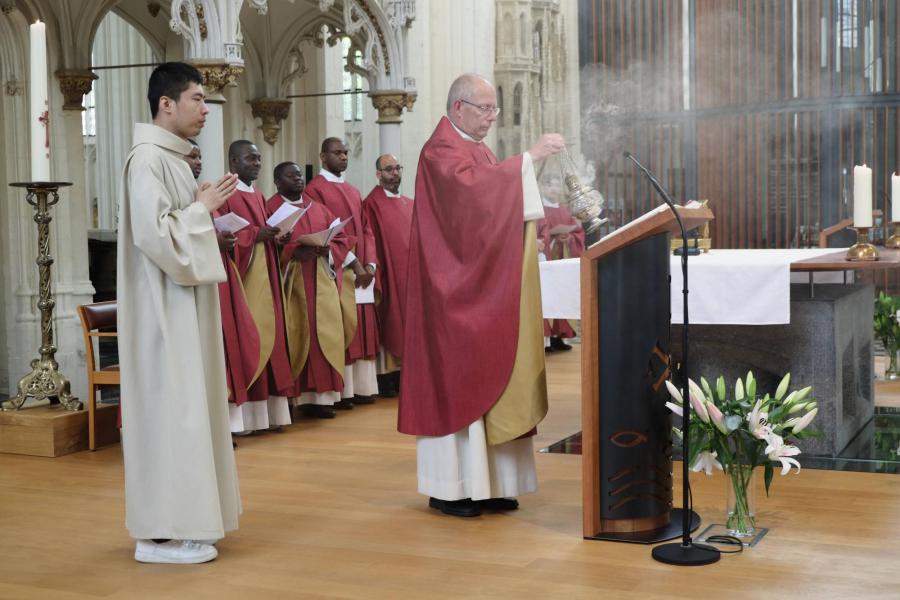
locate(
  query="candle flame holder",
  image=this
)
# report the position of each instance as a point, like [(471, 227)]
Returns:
[(45, 382), (893, 242), (862, 250)]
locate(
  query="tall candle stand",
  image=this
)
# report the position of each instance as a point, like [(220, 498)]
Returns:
[(45, 381), (862, 250)]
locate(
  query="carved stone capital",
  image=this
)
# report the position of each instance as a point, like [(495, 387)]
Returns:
[(74, 84), (217, 75), (272, 111), (390, 104)]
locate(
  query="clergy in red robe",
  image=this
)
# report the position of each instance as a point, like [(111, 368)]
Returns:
[(562, 237), (256, 259), (312, 309), (390, 215), (358, 272), (239, 334), (473, 384)]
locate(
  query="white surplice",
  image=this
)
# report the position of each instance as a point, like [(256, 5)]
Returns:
[(461, 464), (180, 475)]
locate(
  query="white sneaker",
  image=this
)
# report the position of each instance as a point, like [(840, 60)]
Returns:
[(185, 552)]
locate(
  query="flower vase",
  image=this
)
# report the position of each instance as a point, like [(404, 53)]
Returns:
[(740, 512), (891, 372)]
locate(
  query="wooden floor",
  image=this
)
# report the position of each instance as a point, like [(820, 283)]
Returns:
[(331, 511)]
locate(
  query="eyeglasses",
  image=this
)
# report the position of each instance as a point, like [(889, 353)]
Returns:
[(392, 169), (484, 109)]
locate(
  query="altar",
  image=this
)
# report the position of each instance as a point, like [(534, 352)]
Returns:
[(770, 311)]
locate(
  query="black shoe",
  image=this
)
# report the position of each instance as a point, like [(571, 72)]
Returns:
[(388, 385), (316, 411), (549, 349), (456, 508), (499, 504), (344, 404), (363, 399), (558, 345)]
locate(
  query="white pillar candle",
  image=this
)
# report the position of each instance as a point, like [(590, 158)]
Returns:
[(895, 198), (862, 196), (40, 107)]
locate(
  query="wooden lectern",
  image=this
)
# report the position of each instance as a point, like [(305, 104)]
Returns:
[(626, 430)]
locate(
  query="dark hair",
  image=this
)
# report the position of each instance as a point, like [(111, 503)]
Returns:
[(169, 80), (236, 146), (280, 168), (328, 141)]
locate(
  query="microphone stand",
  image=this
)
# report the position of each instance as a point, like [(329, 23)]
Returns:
[(686, 552)]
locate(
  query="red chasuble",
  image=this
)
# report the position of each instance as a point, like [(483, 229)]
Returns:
[(573, 248), (344, 200), (238, 333), (465, 276), (275, 377), (391, 220), (318, 374)]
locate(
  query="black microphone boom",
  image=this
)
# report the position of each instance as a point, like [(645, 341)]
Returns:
[(685, 553)]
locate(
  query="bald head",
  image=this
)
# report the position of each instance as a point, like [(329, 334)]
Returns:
[(464, 87), (472, 105), (389, 173)]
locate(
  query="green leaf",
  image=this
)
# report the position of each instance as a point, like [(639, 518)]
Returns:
[(768, 475), (732, 422)]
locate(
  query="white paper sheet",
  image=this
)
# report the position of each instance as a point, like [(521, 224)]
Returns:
[(286, 217), (230, 223), (366, 295)]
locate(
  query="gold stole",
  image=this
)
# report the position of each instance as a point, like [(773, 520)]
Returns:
[(328, 330), (523, 404), (348, 306), (259, 299)]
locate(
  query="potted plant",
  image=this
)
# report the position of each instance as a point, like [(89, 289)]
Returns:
[(887, 329)]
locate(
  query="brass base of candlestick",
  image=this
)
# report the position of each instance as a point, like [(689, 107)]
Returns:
[(45, 382), (893, 242), (862, 250)]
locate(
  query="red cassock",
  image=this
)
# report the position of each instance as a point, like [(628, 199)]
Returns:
[(317, 374), (391, 220), (344, 201), (241, 339), (573, 248), (464, 284), (276, 378)]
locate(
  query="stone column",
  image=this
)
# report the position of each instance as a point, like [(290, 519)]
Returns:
[(216, 75), (72, 284), (390, 105)]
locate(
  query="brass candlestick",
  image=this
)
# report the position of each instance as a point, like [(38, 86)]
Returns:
[(862, 250), (45, 381), (893, 242)]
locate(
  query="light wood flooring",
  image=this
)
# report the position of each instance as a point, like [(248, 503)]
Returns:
[(331, 511)]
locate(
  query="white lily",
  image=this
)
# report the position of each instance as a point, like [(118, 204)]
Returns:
[(738, 390), (674, 392), (699, 406), (777, 450), (783, 386), (706, 461), (716, 416), (759, 422), (675, 408), (805, 420)]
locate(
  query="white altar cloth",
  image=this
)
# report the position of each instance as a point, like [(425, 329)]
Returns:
[(733, 287)]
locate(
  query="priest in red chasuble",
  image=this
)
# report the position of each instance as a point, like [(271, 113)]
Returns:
[(256, 259), (562, 237), (358, 272), (312, 306), (473, 384), (390, 215)]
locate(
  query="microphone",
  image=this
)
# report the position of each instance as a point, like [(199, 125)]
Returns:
[(687, 552)]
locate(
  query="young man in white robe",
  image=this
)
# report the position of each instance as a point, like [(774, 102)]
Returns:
[(181, 488)]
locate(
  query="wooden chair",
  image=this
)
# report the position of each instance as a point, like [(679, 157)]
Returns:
[(94, 317)]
